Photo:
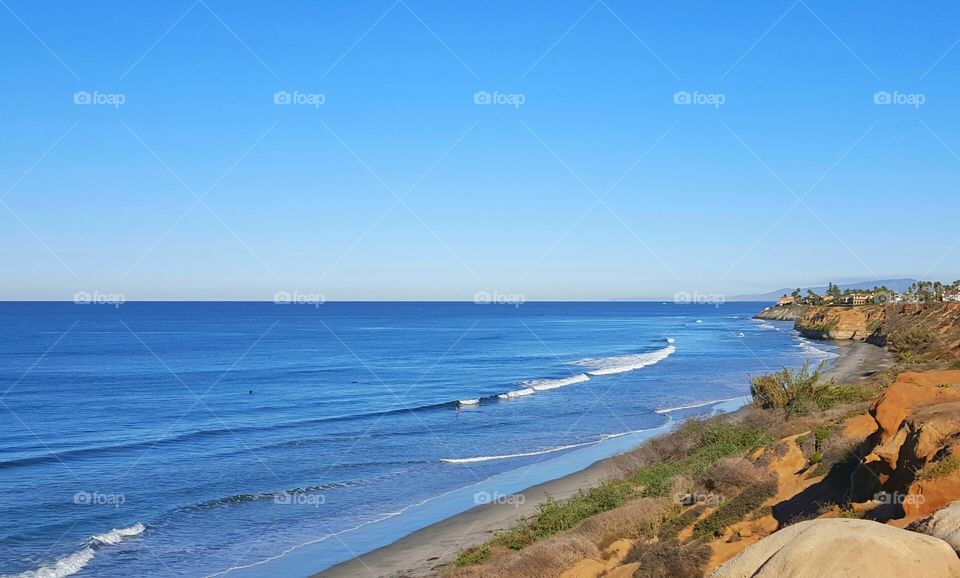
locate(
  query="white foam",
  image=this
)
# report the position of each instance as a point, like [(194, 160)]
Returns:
[(602, 438), (76, 561), (693, 405), (547, 384), (66, 566), (811, 351), (624, 363), (469, 402), (117, 535), (508, 456), (517, 393)]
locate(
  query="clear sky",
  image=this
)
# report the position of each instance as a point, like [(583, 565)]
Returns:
[(384, 179)]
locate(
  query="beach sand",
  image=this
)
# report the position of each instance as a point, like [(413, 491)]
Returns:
[(419, 553)]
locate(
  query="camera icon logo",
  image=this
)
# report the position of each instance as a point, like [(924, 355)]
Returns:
[(682, 97), (282, 97), (82, 97), (882, 97), (482, 97)]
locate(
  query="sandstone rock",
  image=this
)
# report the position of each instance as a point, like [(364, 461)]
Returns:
[(909, 390), (617, 551), (585, 569), (625, 571), (843, 547), (860, 427), (856, 323), (943, 524)]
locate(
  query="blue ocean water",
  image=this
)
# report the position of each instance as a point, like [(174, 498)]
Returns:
[(197, 439)]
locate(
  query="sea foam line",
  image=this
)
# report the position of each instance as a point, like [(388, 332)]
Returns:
[(601, 439), (693, 405)]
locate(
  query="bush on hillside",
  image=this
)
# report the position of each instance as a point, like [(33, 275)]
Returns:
[(801, 391), (669, 559)]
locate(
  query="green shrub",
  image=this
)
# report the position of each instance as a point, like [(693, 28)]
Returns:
[(816, 458), (734, 510), (801, 391), (672, 526), (914, 341), (940, 469), (850, 513), (472, 555), (553, 516)]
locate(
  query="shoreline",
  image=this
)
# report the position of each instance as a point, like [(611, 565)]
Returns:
[(421, 552)]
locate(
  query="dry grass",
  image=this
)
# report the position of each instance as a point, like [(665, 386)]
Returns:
[(545, 559), (669, 559), (633, 519), (730, 476)]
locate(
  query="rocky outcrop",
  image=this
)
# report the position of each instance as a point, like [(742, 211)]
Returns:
[(854, 323), (843, 547), (917, 424), (785, 313), (931, 327)]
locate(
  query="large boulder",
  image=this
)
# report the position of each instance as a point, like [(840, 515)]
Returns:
[(943, 524), (843, 547)]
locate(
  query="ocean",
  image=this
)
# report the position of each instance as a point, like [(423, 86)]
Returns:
[(261, 439)]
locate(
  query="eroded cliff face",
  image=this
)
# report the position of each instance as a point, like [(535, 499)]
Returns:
[(855, 323), (917, 420), (788, 313), (899, 326)]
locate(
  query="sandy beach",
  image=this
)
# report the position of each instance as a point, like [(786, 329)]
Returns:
[(419, 553)]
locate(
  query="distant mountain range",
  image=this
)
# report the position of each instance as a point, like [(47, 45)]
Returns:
[(898, 285)]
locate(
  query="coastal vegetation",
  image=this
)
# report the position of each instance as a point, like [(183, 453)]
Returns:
[(807, 448), (801, 391)]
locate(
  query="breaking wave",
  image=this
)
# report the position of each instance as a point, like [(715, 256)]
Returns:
[(812, 351), (76, 561), (624, 363)]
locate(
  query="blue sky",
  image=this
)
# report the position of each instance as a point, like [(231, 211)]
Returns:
[(400, 186)]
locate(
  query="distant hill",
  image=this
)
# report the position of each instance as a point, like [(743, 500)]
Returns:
[(898, 285)]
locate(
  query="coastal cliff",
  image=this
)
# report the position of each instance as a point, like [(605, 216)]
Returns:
[(926, 327)]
